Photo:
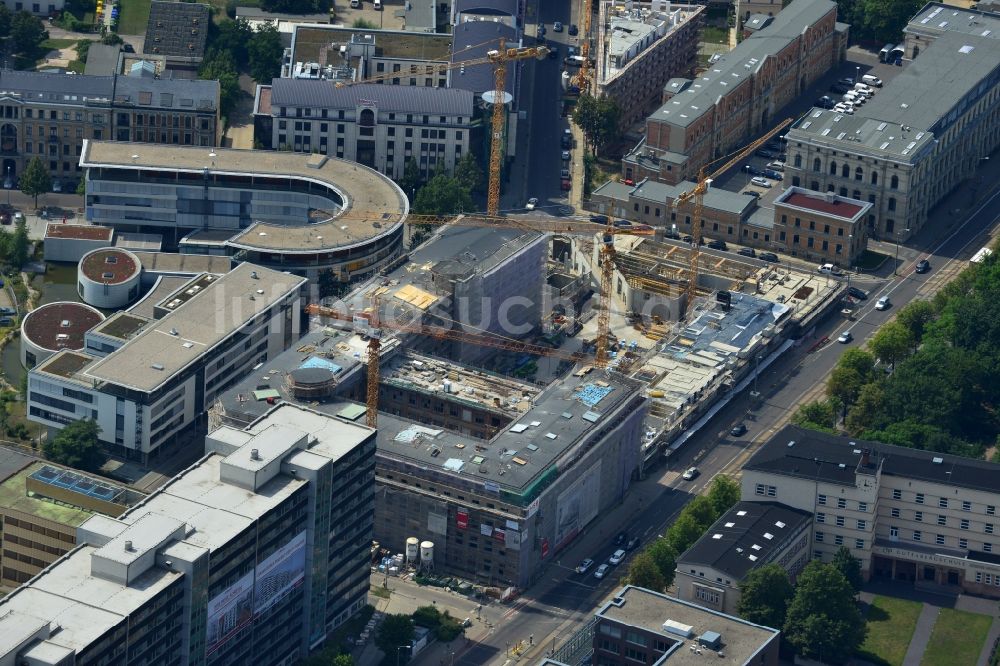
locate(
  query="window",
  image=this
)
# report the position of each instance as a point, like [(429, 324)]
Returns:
[(963, 543), (919, 498), (917, 535), (820, 517), (707, 594), (894, 183), (863, 507), (892, 203), (762, 489), (862, 525), (817, 166), (874, 178), (838, 539), (987, 548), (918, 516), (966, 506), (988, 528), (841, 503), (897, 494), (859, 544), (964, 524), (893, 532), (990, 510), (821, 500), (840, 521), (797, 161), (894, 513), (819, 537), (939, 539), (943, 502), (942, 520)]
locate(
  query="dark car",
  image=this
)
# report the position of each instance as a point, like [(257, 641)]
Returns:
[(752, 193), (687, 239), (599, 219), (621, 539), (753, 171), (773, 175), (923, 266), (769, 257), (672, 234), (566, 185), (564, 173), (769, 154), (718, 245), (541, 31), (746, 252), (573, 30), (621, 224), (859, 294), (738, 430), (825, 102), (553, 52), (632, 543), (840, 88)]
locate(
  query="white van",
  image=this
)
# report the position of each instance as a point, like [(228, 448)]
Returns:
[(355, 4), (377, 5), (872, 80), (863, 88)]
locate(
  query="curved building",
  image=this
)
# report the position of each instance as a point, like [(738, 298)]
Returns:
[(108, 278), (292, 212), (54, 327)]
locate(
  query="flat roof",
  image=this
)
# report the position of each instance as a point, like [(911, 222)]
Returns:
[(134, 241), (373, 205), (825, 203), (749, 535), (65, 364), (321, 44), (155, 355), (648, 610), (14, 493), (121, 325), (164, 285), (78, 232), (111, 265), (192, 264), (60, 325)]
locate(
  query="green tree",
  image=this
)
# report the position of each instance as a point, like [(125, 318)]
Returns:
[(395, 630), (76, 445), (468, 172), (112, 39), (644, 573), (823, 620), (297, 6), (849, 567), (220, 66), (27, 32), (684, 532), (723, 494), (882, 20), (442, 195), (342, 660), (264, 52), (82, 49), (598, 118), (891, 343), (232, 37), (853, 371), (764, 596), (5, 19), (36, 179), (362, 24), (866, 408), (665, 558), (819, 415), (411, 178), (20, 244)]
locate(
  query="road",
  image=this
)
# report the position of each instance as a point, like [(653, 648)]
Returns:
[(552, 610)]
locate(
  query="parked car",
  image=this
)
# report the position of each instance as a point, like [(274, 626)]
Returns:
[(585, 566), (621, 538), (8, 183), (565, 156), (599, 219), (532, 202), (690, 473), (752, 193), (828, 269), (760, 182), (883, 303), (738, 430), (746, 252), (777, 165), (753, 171), (564, 173), (557, 27), (6, 321), (7, 312), (872, 80), (541, 30), (825, 102), (601, 570), (5, 218), (845, 109), (565, 184), (845, 337), (769, 154), (553, 52), (864, 88), (773, 175), (617, 557), (57, 186), (769, 257), (840, 88), (923, 266), (632, 543), (859, 294), (718, 245), (573, 30), (672, 234)]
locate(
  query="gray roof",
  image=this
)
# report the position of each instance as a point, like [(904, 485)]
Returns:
[(393, 99), (936, 18), (259, 14), (757, 22), (102, 60), (742, 62), (179, 94), (760, 530), (419, 16), (12, 462), (56, 88), (653, 191), (178, 29), (498, 7), (472, 40)]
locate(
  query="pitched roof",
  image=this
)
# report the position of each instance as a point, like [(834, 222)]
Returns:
[(180, 94), (394, 99), (55, 88)]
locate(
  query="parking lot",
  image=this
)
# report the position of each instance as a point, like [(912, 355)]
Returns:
[(385, 18)]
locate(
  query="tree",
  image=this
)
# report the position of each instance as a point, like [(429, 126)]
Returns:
[(819, 415), (849, 567), (264, 53), (297, 6), (764, 596), (82, 49), (598, 118), (36, 179), (20, 244), (703, 511), (395, 630), (724, 494), (823, 621), (866, 408), (468, 172), (665, 558), (442, 195), (845, 385), (684, 532), (231, 37), (27, 32), (891, 343), (5, 20), (76, 445), (342, 660), (220, 66), (643, 572), (362, 24), (411, 178), (882, 20), (112, 39)]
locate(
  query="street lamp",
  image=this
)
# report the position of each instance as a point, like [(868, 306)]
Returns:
[(398, 648), (8, 188), (895, 263), (857, 76)]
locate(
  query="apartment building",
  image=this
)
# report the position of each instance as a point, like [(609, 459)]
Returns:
[(921, 135), (51, 115), (740, 96), (639, 626), (250, 556), (379, 126), (824, 227), (640, 48), (747, 8), (906, 514), (46, 8), (166, 372)]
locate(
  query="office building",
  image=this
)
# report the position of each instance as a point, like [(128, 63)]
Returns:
[(178, 31), (642, 47), (906, 514), (252, 555), (41, 505), (159, 376), (823, 227), (740, 96), (52, 115), (379, 126), (927, 130), (748, 536), (53, 327), (641, 626), (299, 213)]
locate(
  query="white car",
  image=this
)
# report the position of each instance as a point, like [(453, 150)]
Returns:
[(843, 108), (777, 165), (601, 570), (690, 473), (760, 181), (532, 202), (585, 566), (883, 303), (617, 557), (845, 337), (828, 269)]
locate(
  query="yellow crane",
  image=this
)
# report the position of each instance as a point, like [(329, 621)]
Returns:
[(583, 76), (697, 194)]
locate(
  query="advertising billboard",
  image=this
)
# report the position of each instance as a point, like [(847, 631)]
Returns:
[(281, 572), (228, 612), (577, 505)]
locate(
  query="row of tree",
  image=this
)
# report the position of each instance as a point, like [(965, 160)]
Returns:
[(653, 568), (819, 616), (929, 379), (881, 20), (235, 47)]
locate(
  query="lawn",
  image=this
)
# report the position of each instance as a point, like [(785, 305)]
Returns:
[(891, 623), (714, 35), (133, 15), (957, 638)]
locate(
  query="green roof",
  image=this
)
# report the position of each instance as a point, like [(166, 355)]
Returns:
[(13, 495)]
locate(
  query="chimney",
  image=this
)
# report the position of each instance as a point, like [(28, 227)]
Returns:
[(865, 457), (128, 546), (254, 454)]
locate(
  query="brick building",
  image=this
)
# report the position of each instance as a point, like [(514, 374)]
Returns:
[(820, 226)]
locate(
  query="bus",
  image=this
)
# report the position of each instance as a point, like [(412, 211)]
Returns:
[(978, 257)]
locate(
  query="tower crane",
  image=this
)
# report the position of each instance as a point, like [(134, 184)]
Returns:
[(498, 58), (583, 76), (697, 194)]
